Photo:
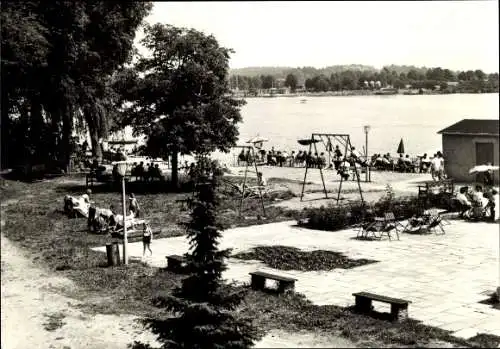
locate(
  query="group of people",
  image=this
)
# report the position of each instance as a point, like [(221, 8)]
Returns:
[(478, 203), (422, 164), (301, 158), (107, 219), (141, 173)]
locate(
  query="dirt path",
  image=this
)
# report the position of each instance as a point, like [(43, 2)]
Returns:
[(35, 315)]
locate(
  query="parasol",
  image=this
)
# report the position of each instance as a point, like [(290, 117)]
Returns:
[(257, 139), (307, 141), (482, 168), (401, 147)]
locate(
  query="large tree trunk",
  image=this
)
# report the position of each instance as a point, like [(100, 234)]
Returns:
[(67, 129), (36, 130), (4, 129), (96, 146), (175, 170)]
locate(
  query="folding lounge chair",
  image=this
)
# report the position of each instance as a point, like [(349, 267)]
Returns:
[(378, 228), (425, 224), (390, 218)]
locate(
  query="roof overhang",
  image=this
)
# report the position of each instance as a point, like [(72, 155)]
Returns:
[(469, 134)]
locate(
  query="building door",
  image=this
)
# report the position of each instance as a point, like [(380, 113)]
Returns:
[(484, 154)]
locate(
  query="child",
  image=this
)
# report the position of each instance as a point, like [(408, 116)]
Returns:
[(147, 236)]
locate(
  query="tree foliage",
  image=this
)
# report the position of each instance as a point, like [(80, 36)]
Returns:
[(57, 61), (203, 307), (179, 96), (291, 81)]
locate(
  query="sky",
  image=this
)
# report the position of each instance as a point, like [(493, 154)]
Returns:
[(458, 35)]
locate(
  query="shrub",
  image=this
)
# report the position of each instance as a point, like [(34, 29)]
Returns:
[(333, 217)]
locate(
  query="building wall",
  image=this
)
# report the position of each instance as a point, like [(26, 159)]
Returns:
[(460, 155)]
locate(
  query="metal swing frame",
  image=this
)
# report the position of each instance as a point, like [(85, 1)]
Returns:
[(243, 191), (345, 141)]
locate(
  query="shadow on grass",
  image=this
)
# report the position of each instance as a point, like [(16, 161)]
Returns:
[(293, 312), (137, 187), (365, 238), (291, 258)]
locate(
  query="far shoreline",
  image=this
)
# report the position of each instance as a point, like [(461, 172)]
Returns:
[(354, 93)]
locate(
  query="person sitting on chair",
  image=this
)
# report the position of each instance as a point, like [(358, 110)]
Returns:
[(490, 206), (356, 157), (464, 203)]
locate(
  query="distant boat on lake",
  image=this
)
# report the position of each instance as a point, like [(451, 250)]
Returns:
[(386, 91), (303, 100)]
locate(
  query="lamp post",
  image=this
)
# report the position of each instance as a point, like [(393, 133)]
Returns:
[(367, 129), (122, 171)]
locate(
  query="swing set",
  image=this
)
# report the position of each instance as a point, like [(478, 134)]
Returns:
[(243, 190), (326, 140)]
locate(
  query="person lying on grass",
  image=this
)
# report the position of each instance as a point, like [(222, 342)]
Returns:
[(74, 206)]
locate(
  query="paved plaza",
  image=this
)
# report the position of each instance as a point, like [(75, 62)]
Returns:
[(445, 276)]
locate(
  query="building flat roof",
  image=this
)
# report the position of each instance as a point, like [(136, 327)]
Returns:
[(486, 127)]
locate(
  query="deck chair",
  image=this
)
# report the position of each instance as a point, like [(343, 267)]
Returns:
[(370, 229), (379, 227), (426, 223), (390, 218)]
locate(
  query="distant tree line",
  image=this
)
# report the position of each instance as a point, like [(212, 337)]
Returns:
[(417, 78)]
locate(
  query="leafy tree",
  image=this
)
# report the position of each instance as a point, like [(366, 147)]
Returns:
[(335, 83), (57, 59), (267, 81), (443, 86), (178, 97), (109, 42), (462, 76), (256, 82), (24, 50), (398, 83), (349, 80), (448, 75), (203, 307), (470, 75), (480, 75), (291, 81)]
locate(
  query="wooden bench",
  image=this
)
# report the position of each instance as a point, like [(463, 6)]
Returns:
[(284, 283), (399, 307), (176, 263)]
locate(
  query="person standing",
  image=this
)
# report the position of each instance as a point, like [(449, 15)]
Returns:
[(441, 173), (488, 177), (435, 167), (134, 205), (147, 237)]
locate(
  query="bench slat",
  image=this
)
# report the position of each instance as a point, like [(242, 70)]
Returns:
[(272, 276), (380, 298)]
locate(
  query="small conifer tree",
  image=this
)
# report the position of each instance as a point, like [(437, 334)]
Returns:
[(203, 307)]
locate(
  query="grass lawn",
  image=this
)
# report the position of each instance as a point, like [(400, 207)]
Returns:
[(36, 223)]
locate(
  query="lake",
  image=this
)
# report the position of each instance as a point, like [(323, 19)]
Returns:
[(416, 119)]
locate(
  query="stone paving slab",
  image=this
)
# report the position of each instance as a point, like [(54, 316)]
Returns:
[(445, 276)]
